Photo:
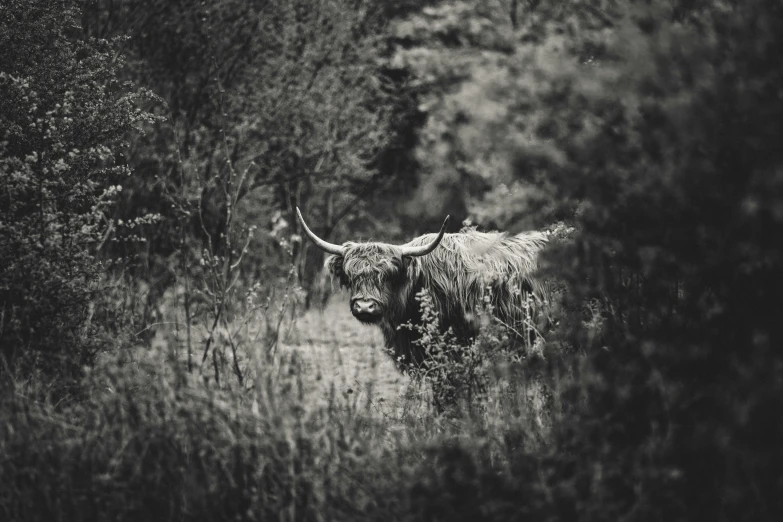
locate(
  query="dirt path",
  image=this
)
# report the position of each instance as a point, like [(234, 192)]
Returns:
[(339, 351)]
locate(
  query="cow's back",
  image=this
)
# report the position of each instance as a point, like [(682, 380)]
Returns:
[(468, 266)]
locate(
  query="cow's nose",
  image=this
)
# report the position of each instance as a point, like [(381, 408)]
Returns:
[(365, 307)]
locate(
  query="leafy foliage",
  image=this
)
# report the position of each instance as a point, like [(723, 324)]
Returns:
[(662, 151), (653, 131), (296, 96), (461, 373), (64, 117), (674, 238)]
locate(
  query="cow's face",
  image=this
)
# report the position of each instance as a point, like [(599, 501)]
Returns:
[(375, 275)]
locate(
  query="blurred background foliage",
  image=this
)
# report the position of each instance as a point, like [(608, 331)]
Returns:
[(144, 143)]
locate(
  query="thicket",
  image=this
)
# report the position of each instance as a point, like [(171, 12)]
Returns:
[(650, 130), (653, 130), (298, 98), (675, 189), (64, 121)]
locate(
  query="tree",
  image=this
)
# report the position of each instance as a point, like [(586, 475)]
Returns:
[(295, 94), (665, 157), (652, 129), (64, 116)]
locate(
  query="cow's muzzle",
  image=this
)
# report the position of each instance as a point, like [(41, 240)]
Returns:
[(366, 310)]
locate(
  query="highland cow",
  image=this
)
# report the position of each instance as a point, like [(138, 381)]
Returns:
[(458, 271)]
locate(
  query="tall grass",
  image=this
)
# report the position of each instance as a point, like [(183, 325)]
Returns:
[(152, 441)]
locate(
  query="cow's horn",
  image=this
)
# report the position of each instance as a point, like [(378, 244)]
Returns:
[(413, 251), (330, 248)]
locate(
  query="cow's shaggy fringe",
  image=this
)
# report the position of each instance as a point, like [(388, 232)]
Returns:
[(464, 271)]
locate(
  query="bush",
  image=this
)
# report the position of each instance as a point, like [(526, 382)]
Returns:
[(653, 130), (63, 119), (673, 183), (503, 362)]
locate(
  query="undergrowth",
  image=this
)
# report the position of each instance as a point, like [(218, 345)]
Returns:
[(503, 361), (150, 440)]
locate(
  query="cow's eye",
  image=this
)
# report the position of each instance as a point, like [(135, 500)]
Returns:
[(398, 267), (394, 273)]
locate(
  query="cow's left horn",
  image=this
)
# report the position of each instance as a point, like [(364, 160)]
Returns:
[(414, 251), (327, 247)]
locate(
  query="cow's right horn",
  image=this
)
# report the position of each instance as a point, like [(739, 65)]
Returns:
[(327, 247), (414, 251)]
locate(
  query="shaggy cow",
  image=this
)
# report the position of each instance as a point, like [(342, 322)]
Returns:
[(456, 270)]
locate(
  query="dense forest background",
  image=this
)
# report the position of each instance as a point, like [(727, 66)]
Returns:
[(152, 155)]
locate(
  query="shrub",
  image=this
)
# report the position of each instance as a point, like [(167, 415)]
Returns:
[(63, 119), (501, 361), (673, 183)]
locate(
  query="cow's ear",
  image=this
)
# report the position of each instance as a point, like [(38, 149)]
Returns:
[(335, 266)]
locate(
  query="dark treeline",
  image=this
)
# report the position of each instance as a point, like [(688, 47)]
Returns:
[(152, 155)]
